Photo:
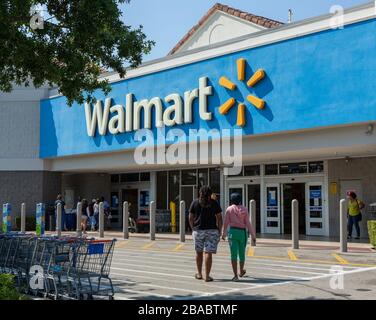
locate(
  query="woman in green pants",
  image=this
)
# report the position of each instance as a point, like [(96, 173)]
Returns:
[(238, 227)]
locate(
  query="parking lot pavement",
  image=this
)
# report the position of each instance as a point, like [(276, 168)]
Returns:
[(165, 269)]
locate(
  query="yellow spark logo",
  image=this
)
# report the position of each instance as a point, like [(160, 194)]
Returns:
[(228, 84)]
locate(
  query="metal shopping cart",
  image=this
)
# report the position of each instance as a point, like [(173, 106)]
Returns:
[(59, 268), (90, 268)]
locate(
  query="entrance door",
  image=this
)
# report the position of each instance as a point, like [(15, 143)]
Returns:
[(273, 217), (315, 210), (254, 194), (290, 192), (131, 196)]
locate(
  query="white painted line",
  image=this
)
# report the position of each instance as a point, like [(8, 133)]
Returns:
[(137, 265), (288, 282), (219, 257), (168, 278), (222, 263), (161, 287)]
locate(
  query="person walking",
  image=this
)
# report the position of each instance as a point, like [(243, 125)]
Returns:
[(238, 228), (107, 212), (205, 219), (84, 215), (96, 211), (354, 213), (90, 214), (59, 199)]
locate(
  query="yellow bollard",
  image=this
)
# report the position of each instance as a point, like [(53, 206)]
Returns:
[(173, 216)]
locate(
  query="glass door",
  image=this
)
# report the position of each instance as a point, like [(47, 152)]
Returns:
[(315, 209), (273, 209)]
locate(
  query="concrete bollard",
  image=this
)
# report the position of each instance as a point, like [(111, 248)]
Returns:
[(152, 220), (101, 220), (78, 222), (125, 220), (343, 225), (23, 217), (252, 216), (182, 221), (58, 219), (295, 223)]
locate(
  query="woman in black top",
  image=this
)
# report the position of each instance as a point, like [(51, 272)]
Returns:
[(205, 219)]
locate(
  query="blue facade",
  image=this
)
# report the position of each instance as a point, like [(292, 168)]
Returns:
[(324, 79)]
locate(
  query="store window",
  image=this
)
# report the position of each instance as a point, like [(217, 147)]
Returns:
[(316, 167), (162, 190), (145, 176), (174, 188), (271, 169), (203, 177), (115, 178), (130, 177), (293, 168), (251, 171), (188, 177), (215, 180)]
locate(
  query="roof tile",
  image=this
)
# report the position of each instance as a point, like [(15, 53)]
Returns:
[(262, 21)]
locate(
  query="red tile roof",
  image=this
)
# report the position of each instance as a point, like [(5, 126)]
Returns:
[(261, 21)]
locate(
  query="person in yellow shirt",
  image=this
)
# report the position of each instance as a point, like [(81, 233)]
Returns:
[(354, 214)]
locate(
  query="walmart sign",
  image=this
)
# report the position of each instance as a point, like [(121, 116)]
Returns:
[(297, 84)]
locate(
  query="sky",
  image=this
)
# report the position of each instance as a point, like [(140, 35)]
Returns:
[(167, 21)]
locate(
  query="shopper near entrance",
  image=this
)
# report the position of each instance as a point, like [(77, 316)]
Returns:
[(238, 228), (205, 219), (84, 215), (354, 213), (59, 199)]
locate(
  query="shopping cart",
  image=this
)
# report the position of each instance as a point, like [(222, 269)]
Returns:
[(90, 268)]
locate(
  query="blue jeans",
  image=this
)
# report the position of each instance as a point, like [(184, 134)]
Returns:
[(63, 220), (351, 222)]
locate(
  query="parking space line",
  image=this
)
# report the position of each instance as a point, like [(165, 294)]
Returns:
[(339, 258), (162, 278), (330, 262), (178, 247), (149, 245), (292, 255), (251, 251), (224, 273)]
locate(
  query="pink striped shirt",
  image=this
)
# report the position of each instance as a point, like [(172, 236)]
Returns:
[(238, 217)]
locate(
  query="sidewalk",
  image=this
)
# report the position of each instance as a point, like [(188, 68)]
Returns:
[(319, 243)]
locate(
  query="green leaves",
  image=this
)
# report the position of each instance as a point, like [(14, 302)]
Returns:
[(77, 40), (8, 290)]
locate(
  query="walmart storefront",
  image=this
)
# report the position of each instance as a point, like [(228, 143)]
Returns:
[(300, 100)]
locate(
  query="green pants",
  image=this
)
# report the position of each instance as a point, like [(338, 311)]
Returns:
[(237, 239)]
